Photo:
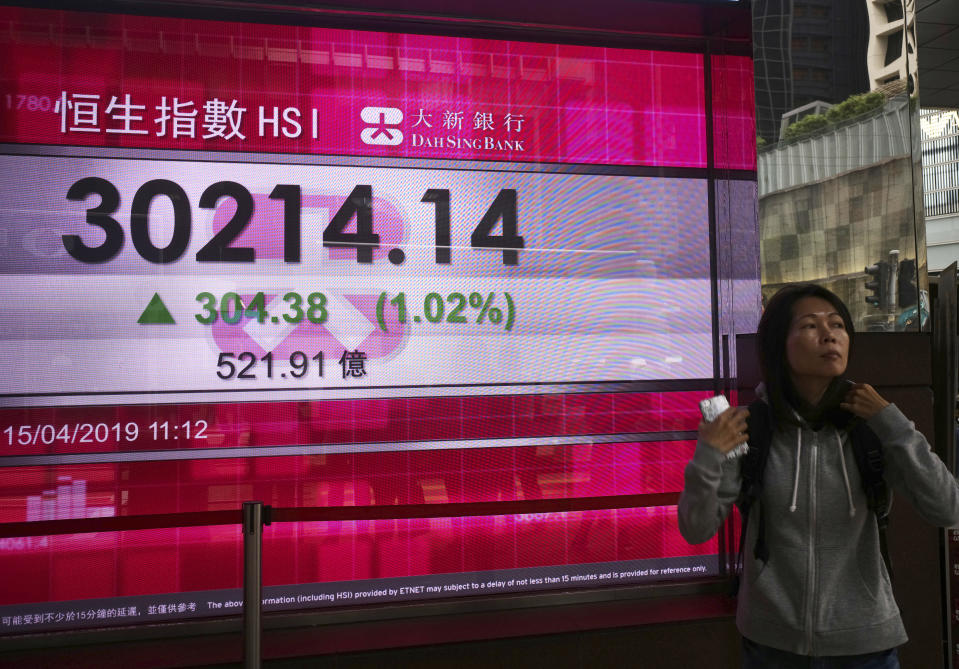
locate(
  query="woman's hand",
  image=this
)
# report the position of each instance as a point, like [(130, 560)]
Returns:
[(727, 431), (863, 401)]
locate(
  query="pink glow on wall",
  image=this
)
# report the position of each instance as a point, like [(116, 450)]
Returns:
[(734, 113), (302, 90), (191, 559), (234, 425), (150, 83)]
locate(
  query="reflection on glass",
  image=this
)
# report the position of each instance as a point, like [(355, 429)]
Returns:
[(840, 199), (940, 178)]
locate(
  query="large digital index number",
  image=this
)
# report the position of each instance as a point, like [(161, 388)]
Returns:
[(359, 203), (504, 206), (441, 198), (218, 249), (99, 217), (140, 221)]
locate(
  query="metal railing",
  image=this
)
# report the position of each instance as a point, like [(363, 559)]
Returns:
[(854, 145)]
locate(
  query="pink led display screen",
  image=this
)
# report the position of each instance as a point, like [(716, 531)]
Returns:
[(326, 267)]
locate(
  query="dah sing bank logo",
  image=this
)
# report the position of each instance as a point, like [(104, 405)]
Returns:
[(383, 122), (456, 130)]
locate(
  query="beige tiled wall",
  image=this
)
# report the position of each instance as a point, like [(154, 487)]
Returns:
[(828, 231)]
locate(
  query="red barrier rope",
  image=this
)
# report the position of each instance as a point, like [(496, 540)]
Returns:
[(321, 514)]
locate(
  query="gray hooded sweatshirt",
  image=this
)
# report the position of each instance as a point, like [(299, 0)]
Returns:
[(825, 589)]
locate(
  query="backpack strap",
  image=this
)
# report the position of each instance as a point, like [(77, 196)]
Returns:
[(759, 428), (867, 450)]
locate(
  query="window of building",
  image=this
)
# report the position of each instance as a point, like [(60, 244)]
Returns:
[(893, 48), (893, 11)]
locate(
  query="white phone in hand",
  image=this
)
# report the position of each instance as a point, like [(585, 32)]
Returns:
[(711, 408)]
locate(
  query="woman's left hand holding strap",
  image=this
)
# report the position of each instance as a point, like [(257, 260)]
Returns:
[(863, 401)]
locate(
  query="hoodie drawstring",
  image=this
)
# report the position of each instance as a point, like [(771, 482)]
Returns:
[(792, 507), (845, 473), (845, 476)]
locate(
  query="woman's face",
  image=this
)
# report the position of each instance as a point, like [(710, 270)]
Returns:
[(817, 346)]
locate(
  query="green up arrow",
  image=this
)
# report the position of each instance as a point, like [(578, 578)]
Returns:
[(156, 313)]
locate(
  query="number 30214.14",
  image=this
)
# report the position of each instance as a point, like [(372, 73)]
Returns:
[(357, 205)]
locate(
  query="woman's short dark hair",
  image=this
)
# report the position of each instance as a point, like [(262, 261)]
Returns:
[(772, 333)]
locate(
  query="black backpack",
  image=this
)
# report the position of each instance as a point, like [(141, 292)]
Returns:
[(868, 453)]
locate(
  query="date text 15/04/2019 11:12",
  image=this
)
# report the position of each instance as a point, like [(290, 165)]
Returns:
[(48, 434)]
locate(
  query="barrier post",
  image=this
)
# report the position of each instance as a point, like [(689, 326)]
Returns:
[(252, 583)]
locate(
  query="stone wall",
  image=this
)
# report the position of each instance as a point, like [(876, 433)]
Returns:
[(828, 231)]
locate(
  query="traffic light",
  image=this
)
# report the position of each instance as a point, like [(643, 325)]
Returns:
[(879, 284)]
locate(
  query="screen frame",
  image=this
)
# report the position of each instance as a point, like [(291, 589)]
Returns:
[(722, 27), (725, 31)]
